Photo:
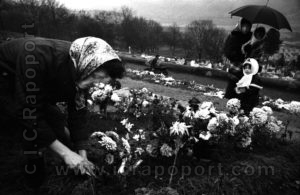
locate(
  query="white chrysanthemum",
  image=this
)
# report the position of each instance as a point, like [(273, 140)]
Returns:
[(267, 109), (166, 150), (98, 95), (279, 122), (212, 124), (145, 90), (206, 105), (112, 134), (108, 89), (98, 134), (115, 98), (246, 142), (126, 145), (205, 135), (108, 143), (129, 126), (222, 118), (100, 85), (273, 127), (136, 137), (233, 105), (258, 116), (124, 121), (244, 119), (294, 107), (235, 121), (202, 114), (139, 150), (150, 148), (145, 103), (179, 128), (279, 101)]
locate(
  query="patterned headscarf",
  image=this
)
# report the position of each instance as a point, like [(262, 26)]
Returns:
[(87, 54)]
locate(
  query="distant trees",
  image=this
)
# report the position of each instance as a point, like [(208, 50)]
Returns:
[(120, 28), (172, 37), (140, 33), (206, 39)]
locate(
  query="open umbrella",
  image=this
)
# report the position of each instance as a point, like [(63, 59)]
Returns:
[(262, 14)]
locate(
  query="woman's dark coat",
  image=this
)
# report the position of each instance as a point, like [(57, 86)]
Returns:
[(233, 46), (233, 52), (41, 73)]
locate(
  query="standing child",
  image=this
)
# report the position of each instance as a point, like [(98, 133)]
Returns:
[(248, 86)]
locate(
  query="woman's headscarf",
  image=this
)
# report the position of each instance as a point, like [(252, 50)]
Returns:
[(240, 23), (246, 80), (88, 54)]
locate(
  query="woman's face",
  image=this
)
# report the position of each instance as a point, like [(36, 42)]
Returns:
[(245, 28), (96, 77)]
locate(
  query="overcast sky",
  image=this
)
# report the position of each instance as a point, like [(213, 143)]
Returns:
[(184, 11)]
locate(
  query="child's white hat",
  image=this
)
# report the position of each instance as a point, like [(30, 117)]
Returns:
[(254, 65)]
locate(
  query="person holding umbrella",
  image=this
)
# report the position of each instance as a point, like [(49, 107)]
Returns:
[(233, 52), (250, 14)]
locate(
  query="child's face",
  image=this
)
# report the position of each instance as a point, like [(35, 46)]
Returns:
[(247, 69)]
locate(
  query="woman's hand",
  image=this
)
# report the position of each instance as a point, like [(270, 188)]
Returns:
[(75, 161), (72, 159)]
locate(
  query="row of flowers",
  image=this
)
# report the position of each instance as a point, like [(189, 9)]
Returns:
[(278, 105), (150, 76), (281, 105), (170, 127)]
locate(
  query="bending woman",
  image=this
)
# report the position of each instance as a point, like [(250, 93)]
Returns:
[(35, 74)]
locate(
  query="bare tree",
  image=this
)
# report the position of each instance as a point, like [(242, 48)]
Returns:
[(207, 39), (173, 37), (187, 44)]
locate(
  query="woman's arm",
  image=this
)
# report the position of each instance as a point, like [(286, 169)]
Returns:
[(77, 120), (71, 158)]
